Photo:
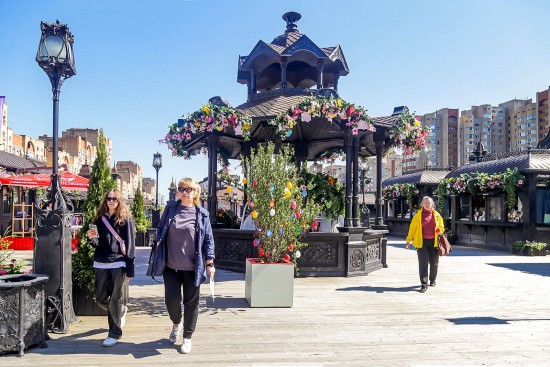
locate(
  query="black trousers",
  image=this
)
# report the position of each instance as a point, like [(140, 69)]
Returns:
[(174, 282), (427, 255), (111, 293)]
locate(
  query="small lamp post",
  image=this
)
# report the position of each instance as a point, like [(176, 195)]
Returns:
[(157, 164), (365, 213), (235, 200), (52, 251)]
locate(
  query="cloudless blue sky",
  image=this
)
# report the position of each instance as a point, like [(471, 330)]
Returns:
[(143, 64)]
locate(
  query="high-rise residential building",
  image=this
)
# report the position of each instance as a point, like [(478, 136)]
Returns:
[(483, 123), (543, 114), (442, 148), (130, 177), (521, 124)]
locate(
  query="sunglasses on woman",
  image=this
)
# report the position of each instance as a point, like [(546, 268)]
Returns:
[(109, 198), (185, 189)]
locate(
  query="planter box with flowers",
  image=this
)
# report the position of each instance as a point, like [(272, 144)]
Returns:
[(281, 212), (529, 248)]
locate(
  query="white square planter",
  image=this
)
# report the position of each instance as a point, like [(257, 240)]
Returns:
[(269, 284)]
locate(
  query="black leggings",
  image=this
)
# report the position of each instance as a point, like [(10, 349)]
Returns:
[(427, 255), (174, 281)]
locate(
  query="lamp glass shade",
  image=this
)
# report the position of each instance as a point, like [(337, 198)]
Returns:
[(54, 46), (157, 160)]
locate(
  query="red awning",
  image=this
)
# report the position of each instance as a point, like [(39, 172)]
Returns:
[(69, 181)]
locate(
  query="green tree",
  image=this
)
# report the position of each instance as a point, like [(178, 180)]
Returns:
[(100, 182), (279, 205), (138, 211)]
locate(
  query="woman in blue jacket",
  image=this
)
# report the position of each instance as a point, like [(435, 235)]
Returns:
[(186, 232)]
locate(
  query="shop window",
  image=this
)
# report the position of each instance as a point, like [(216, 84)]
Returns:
[(516, 214), (391, 209), (464, 213), (480, 213), (495, 205), (543, 206), (6, 199)]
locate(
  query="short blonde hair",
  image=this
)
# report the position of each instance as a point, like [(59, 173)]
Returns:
[(194, 184), (429, 199)]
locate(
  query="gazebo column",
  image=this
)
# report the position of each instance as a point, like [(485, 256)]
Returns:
[(283, 73), (355, 182), (336, 78), (213, 145), (320, 70), (379, 137), (301, 149), (348, 149), (252, 81), (246, 149)]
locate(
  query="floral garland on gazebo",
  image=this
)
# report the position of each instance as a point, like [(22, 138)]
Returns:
[(408, 133), (330, 108), (209, 118), (476, 182), (397, 191)]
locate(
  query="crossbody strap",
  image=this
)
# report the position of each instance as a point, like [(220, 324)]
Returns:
[(120, 240)]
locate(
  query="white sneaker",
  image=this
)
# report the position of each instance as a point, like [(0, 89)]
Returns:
[(123, 317), (186, 346), (175, 334), (109, 342)]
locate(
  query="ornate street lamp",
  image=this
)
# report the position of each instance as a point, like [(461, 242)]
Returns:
[(365, 213), (235, 200), (157, 164), (52, 252)]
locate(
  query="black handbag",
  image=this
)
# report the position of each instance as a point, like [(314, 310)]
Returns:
[(157, 260)]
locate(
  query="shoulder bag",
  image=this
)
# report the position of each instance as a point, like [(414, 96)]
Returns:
[(121, 243), (444, 247), (157, 260)]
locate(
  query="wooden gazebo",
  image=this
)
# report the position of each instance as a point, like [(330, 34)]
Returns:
[(279, 75)]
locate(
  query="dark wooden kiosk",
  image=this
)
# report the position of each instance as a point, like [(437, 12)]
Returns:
[(397, 211), (498, 228), (279, 75)]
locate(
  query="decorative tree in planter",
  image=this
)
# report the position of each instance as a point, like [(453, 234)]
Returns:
[(281, 212), (278, 204), (100, 182), (138, 212)]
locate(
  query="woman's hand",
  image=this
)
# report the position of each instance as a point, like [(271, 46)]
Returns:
[(92, 233), (407, 245), (210, 270)]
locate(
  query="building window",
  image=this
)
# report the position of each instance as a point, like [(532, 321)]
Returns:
[(542, 206)]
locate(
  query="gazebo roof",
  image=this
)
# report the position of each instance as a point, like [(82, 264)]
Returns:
[(537, 160), (424, 176)]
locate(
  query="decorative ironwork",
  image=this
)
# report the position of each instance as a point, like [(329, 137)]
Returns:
[(21, 312), (372, 250), (357, 259), (323, 253), (236, 250)]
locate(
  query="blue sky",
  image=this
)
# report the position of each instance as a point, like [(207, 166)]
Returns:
[(142, 64)]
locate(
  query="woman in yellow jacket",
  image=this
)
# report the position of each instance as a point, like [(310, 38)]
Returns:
[(426, 226)]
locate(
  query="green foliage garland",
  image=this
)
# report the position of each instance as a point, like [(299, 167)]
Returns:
[(476, 182), (138, 211), (279, 206), (100, 182), (396, 191), (326, 191)]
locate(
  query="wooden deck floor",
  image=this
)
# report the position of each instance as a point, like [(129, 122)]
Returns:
[(488, 309)]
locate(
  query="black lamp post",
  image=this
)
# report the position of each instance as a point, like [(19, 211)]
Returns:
[(157, 164), (365, 213), (235, 200), (52, 252)]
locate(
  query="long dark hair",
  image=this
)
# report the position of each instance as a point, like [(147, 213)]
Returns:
[(121, 212)]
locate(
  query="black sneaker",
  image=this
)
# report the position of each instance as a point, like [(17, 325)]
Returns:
[(423, 289), (432, 284)]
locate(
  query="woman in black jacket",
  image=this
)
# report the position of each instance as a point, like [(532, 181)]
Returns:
[(112, 233)]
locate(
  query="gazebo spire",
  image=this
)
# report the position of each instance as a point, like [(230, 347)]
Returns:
[(291, 18)]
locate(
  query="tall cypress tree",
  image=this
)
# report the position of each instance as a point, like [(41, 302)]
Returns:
[(100, 182), (138, 211)]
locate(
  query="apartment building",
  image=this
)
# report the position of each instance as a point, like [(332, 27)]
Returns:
[(148, 187), (130, 177), (543, 114), (521, 124), (21, 145), (483, 123), (442, 145)]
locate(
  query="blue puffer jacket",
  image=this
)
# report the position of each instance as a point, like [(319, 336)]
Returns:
[(204, 240)]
